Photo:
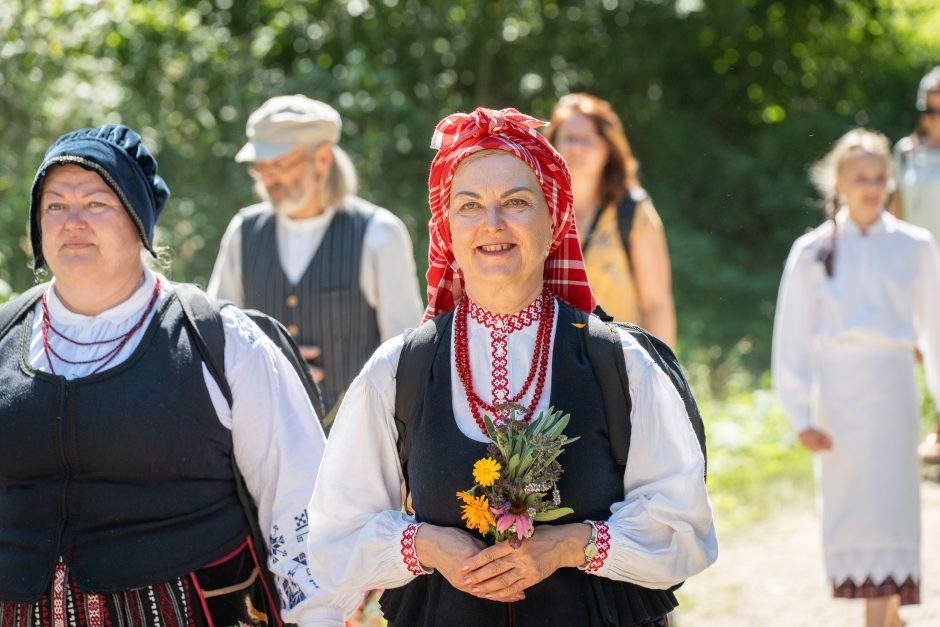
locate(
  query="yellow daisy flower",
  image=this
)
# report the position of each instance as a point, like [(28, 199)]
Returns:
[(476, 512), (486, 471)]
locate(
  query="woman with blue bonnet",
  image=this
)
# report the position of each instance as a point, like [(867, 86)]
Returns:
[(119, 499)]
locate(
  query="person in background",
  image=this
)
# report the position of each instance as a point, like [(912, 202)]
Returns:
[(120, 501), (507, 287), (917, 199), (858, 294), (338, 271), (622, 235)]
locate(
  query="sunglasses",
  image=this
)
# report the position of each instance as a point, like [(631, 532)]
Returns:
[(930, 111), (276, 166)]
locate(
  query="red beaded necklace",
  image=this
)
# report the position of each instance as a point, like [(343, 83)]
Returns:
[(543, 310), (121, 340)]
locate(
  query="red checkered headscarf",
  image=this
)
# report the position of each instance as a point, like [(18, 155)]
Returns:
[(457, 137)]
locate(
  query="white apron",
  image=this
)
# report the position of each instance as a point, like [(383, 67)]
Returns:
[(866, 400)]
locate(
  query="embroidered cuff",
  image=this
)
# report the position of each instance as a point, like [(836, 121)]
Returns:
[(602, 543), (408, 553)]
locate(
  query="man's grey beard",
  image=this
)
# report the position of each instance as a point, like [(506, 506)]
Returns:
[(285, 206)]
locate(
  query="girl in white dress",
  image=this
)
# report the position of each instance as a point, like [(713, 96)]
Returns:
[(917, 167), (858, 294)]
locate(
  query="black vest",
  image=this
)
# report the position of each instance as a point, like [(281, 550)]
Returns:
[(440, 464), (326, 308), (125, 474)]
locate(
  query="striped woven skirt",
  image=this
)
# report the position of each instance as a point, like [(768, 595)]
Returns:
[(229, 590), (170, 604)]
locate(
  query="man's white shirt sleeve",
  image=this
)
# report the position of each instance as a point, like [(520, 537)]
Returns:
[(226, 280)]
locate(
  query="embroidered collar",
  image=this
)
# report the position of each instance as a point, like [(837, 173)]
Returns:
[(506, 323)]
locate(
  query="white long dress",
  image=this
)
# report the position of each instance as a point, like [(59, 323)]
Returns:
[(843, 361)]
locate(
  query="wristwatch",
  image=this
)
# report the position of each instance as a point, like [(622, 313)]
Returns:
[(590, 549)]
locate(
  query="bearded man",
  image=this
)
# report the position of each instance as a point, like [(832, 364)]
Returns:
[(338, 271)]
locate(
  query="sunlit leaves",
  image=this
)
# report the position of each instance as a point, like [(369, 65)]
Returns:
[(724, 102)]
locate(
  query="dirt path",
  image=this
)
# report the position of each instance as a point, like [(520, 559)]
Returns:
[(772, 575)]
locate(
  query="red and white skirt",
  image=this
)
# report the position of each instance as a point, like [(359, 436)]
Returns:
[(230, 591)]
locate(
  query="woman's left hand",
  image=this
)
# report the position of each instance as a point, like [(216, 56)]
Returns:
[(501, 573)]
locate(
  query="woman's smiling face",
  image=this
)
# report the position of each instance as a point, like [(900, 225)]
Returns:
[(500, 226)]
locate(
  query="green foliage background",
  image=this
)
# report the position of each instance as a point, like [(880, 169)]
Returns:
[(726, 103)]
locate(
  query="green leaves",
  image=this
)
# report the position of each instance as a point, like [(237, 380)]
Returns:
[(758, 89), (528, 454), (552, 514)]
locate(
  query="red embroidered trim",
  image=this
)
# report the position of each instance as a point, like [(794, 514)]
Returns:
[(58, 595), (909, 590), (93, 613), (408, 550), (500, 326), (602, 542), (507, 323)]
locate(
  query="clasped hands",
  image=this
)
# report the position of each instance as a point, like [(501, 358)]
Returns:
[(500, 572)]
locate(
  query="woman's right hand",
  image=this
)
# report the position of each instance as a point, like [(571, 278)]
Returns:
[(815, 440), (445, 549)]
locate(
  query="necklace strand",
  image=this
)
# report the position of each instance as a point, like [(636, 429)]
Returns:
[(544, 311), (107, 357)]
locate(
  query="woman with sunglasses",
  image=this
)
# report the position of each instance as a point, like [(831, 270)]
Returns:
[(623, 239)]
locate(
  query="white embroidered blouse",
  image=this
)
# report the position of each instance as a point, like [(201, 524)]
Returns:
[(278, 457), (662, 531)]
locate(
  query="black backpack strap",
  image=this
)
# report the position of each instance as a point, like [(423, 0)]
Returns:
[(605, 352), (626, 210), (205, 320), (667, 361), (411, 378), (204, 317), (13, 310)]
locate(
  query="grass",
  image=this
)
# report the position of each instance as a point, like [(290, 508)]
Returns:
[(755, 464)]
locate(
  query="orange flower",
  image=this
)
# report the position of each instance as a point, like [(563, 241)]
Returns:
[(476, 512)]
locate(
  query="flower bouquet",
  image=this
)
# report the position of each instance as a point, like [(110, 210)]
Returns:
[(515, 479)]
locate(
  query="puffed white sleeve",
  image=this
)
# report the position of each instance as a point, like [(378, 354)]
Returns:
[(278, 444), (389, 278), (794, 321), (226, 280), (927, 314), (663, 531), (359, 538)]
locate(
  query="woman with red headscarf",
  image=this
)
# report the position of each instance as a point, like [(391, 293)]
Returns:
[(507, 285)]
